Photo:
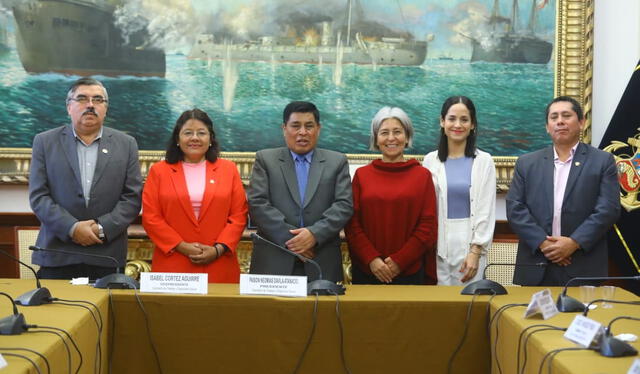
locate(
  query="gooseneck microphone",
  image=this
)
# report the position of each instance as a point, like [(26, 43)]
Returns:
[(15, 323), (319, 286), (610, 346), (41, 295), (567, 304), (115, 280), (486, 286)]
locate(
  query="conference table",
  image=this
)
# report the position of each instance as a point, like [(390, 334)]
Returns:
[(385, 329), (76, 320)]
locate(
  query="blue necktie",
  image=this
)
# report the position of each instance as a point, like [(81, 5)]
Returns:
[(302, 173)]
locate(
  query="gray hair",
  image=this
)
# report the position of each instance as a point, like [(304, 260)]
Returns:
[(86, 81), (384, 114)]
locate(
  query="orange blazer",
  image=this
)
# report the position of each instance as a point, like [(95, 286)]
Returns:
[(168, 218)]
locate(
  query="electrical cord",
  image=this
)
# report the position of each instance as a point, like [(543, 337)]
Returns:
[(552, 354), (66, 345), (146, 322), (43, 357), (313, 330), (98, 320), (112, 325), (68, 336), (464, 335), (26, 358), (541, 327), (341, 328), (496, 317)]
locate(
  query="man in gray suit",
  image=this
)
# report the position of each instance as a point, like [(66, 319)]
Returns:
[(300, 197), (561, 202), (84, 187)]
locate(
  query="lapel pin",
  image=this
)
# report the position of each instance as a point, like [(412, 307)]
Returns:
[(212, 181), (577, 163), (104, 150)]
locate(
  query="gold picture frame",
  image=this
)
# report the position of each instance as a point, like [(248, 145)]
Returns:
[(573, 73)]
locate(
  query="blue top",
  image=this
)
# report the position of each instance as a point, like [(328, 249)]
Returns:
[(458, 171)]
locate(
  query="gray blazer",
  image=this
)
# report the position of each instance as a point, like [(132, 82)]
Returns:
[(275, 207), (590, 207), (56, 196)]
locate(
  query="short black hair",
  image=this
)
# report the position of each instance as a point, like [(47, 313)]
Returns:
[(575, 105), (174, 154), (85, 81), (300, 107), (443, 145)]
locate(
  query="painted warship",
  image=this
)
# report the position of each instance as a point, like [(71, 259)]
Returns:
[(313, 47), (79, 37), (511, 45)]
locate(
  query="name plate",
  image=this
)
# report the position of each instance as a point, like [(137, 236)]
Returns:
[(635, 367), (583, 330), (541, 303), (274, 285), (189, 283)]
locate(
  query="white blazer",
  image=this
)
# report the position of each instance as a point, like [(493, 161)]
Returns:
[(482, 200)]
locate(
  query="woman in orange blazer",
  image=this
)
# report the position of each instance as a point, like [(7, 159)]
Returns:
[(194, 204)]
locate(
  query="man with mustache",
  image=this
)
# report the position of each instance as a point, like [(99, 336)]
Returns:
[(562, 201), (84, 187), (300, 197)]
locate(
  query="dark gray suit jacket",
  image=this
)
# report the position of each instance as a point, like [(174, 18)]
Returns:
[(56, 196), (590, 207), (275, 208)]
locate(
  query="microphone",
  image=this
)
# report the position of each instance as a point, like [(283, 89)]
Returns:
[(486, 286), (567, 304), (41, 295), (319, 286), (610, 346), (15, 323), (115, 280)]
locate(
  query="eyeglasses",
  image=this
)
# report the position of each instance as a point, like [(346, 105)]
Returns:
[(199, 134), (82, 99)]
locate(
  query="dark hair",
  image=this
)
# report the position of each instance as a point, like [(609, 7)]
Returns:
[(85, 81), (470, 148), (575, 105), (174, 154), (300, 107)]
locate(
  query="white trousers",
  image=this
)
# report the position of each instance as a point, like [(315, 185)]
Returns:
[(458, 239)]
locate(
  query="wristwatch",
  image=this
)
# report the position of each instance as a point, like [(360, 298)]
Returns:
[(100, 230)]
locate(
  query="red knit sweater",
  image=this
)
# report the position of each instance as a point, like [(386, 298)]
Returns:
[(394, 215)]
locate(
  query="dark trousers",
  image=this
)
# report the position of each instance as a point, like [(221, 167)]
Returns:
[(360, 277), (555, 275), (74, 271)]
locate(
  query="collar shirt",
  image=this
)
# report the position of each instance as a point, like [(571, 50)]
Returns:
[(560, 178)]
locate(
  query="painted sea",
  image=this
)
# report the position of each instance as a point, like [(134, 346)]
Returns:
[(510, 100)]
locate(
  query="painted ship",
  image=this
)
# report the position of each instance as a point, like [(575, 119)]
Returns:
[(79, 37), (317, 48), (510, 45)]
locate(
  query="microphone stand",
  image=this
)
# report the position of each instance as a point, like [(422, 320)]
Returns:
[(568, 304), (319, 286), (610, 346), (15, 323), (486, 286), (115, 280), (41, 295)]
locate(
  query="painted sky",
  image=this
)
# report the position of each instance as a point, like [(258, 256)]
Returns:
[(444, 19)]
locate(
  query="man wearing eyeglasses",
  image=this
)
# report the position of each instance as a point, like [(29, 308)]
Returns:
[(85, 188)]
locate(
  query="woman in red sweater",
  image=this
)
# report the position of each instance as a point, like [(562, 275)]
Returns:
[(393, 231)]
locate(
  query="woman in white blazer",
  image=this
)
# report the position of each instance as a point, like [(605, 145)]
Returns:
[(465, 181)]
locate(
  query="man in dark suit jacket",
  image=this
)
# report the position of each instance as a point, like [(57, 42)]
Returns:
[(308, 223), (84, 187), (561, 202)]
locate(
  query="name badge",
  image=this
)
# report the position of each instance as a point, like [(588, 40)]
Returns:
[(541, 303), (274, 285), (583, 330), (3, 362), (187, 283)]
